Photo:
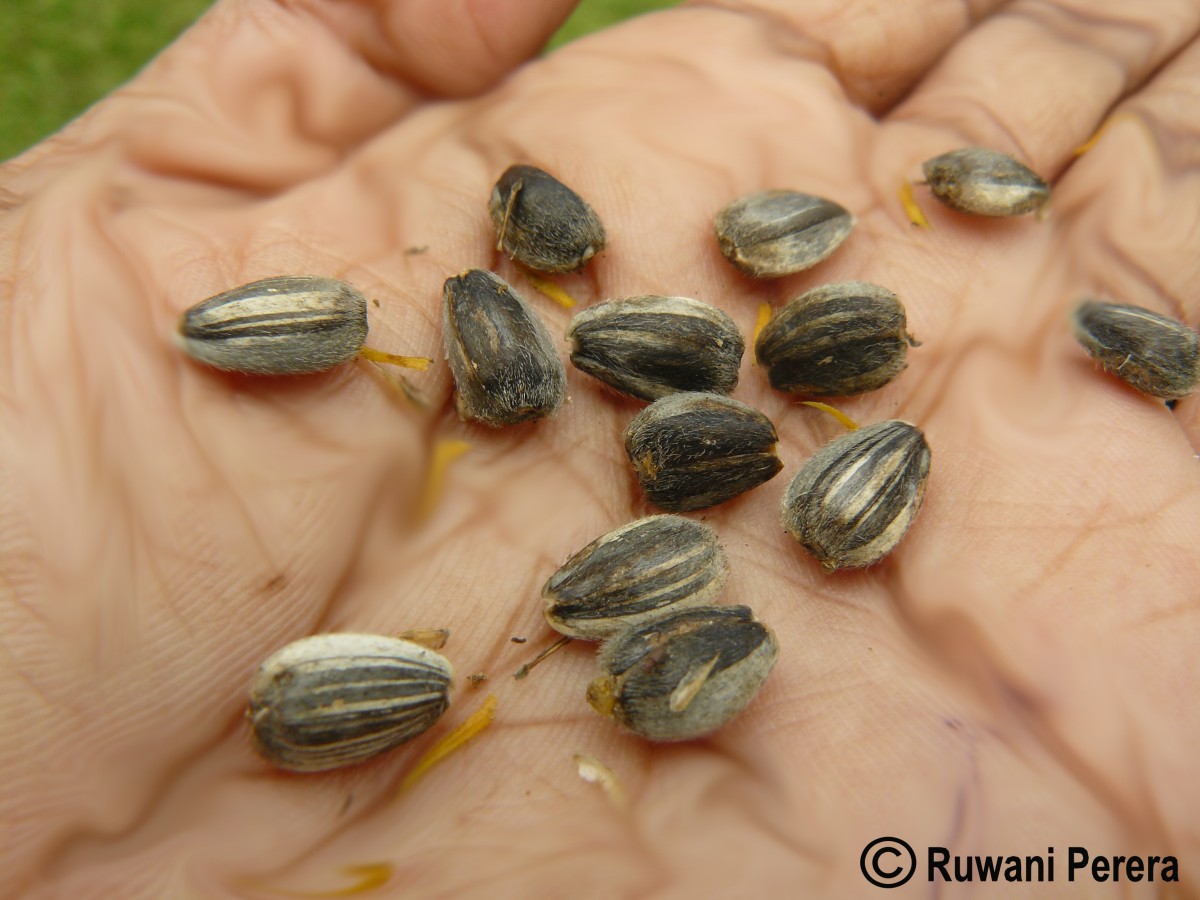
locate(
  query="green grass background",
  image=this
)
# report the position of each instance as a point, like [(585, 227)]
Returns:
[(57, 57)]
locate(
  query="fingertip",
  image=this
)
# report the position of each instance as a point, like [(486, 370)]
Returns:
[(460, 47)]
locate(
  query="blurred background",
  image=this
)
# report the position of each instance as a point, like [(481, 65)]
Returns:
[(57, 57)]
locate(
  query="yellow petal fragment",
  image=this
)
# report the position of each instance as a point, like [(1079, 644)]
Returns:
[(444, 453), (593, 771), (467, 731), (397, 385), (420, 363), (369, 877), (1091, 142), (764, 316), (911, 209), (836, 413), (551, 290)]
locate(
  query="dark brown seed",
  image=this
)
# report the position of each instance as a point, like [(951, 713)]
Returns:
[(773, 233), (685, 674), (635, 573), (854, 500), (985, 183), (543, 224), (835, 340), (334, 700), (691, 451), (503, 358), (648, 346), (287, 325), (1155, 354)]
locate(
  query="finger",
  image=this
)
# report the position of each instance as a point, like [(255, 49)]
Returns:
[(877, 51), (259, 95), (1135, 194), (1036, 79), (1132, 200), (447, 49)]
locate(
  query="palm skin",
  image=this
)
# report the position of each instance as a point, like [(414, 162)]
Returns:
[(1019, 674)]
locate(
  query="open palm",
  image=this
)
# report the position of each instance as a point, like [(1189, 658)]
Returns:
[(1019, 674)]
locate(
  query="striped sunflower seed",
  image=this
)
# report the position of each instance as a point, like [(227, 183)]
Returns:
[(501, 355), (684, 674), (543, 224), (853, 501), (334, 700), (692, 451), (985, 183), (287, 325), (1157, 355), (835, 340), (635, 573), (773, 233), (648, 346)]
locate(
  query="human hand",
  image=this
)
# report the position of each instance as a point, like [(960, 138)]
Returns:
[(1017, 675)]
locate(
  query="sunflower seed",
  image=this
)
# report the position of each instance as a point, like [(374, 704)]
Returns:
[(634, 573), (543, 224), (853, 501), (648, 346), (334, 700), (1155, 354), (773, 233), (685, 674), (501, 355), (985, 183), (691, 451), (835, 340), (287, 325)]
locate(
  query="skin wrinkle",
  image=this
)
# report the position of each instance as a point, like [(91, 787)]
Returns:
[(226, 485), (1031, 716), (1070, 27), (780, 32), (1143, 276), (1003, 128), (783, 34), (81, 846), (1169, 142), (1086, 17), (10, 201), (1171, 613), (474, 16), (86, 848), (991, 684), (972, 787)]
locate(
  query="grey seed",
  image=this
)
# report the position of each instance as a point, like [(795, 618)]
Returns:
[(334, 700), (501, 355), (287, 325), (1155, 354), (853, 501), (685, 674), (835, 340), (691, 451), (773, 233), (635, 573), (648, 346), (985, 183), (543, 224)]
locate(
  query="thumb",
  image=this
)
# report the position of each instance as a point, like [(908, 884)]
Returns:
[(260, 94)]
